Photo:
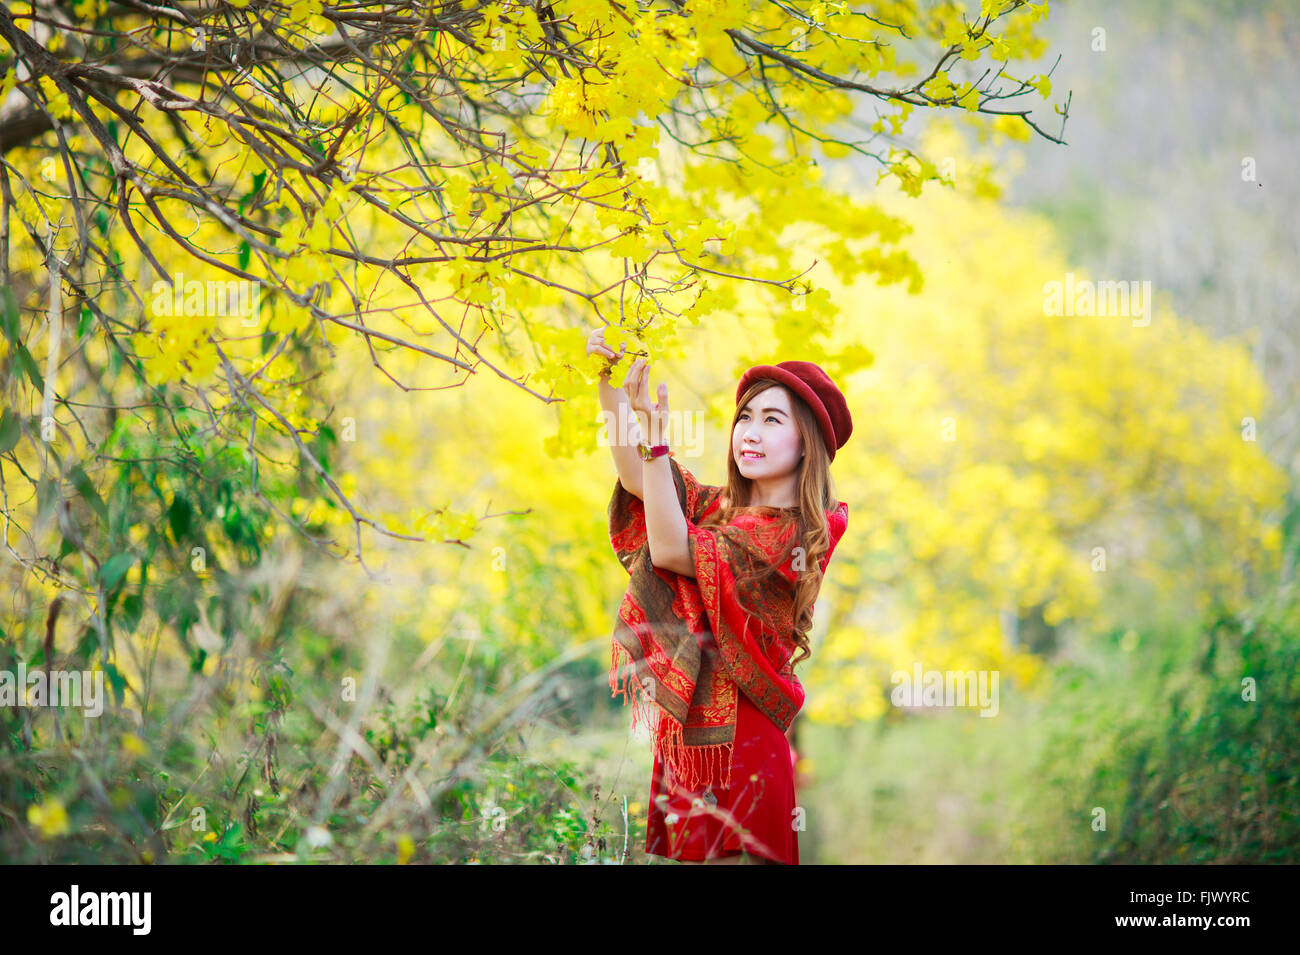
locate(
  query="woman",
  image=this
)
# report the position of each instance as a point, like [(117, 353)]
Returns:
[(720, 603)]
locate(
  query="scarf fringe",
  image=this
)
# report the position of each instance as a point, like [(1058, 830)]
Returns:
[(623, 682), (693, 765)]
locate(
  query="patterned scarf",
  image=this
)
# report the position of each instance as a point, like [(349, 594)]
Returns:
[(685, 644)]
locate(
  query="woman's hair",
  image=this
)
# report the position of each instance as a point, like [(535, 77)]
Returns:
[(815, 497)]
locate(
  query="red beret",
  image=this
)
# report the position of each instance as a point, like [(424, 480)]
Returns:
[(815, 387)]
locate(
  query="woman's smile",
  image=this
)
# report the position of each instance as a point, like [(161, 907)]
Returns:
[(766, 446)]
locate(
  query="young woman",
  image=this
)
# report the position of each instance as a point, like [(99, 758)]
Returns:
[(717, 613)]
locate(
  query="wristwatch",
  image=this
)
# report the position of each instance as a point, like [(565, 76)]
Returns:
[(648, 453)]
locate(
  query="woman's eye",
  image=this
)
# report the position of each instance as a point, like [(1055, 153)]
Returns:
[(773, 418)]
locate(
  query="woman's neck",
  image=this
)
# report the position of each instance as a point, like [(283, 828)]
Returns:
[(778, 492)]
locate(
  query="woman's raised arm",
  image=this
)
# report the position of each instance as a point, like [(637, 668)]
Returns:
[(667, 529), (614, 401)]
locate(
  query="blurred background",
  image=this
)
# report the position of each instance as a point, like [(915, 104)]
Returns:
[(1176, 173), (1099, 508)]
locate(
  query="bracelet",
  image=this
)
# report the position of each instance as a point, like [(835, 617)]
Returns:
[(649, 453)]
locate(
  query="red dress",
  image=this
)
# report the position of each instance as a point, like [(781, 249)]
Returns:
[(755, 815), (757, 812)]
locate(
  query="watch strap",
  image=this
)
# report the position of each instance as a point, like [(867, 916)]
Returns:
[(649, 453)]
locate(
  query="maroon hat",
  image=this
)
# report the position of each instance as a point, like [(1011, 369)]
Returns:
[(815, 387)]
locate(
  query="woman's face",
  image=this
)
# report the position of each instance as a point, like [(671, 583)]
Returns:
[(766, 426)]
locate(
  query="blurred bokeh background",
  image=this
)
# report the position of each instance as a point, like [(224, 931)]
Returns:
[(1100, 508)]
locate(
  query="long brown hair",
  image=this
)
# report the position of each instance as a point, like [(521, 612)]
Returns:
[(815, 495)]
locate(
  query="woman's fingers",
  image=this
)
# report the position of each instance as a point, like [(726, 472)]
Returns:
[(630, 385), (642, 385), (637, 387)]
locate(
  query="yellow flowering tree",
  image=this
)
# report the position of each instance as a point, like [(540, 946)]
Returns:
[(242, 237), (207, 223)]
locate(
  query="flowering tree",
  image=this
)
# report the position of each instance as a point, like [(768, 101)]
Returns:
[(204, 203)]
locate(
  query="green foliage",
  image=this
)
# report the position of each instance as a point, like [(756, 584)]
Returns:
[(253, 778), (219, 741), (1198, 772), (1149, 724)]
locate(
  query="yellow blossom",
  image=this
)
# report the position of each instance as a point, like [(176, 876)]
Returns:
[(405, 849), (49, 818)]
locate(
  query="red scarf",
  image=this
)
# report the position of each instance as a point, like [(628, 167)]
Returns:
[(685, 644)]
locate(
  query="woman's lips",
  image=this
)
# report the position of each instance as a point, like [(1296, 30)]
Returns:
[(750, 455)]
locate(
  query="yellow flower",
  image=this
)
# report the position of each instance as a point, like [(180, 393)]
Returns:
[(50, 819), (405, 849), (133, 745), (89, 9), (56, 99)]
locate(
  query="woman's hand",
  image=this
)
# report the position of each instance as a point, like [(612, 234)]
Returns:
[(596, 346), (637, 388)]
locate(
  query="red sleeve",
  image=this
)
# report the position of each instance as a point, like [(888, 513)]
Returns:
[(627, 532), (837, 522)]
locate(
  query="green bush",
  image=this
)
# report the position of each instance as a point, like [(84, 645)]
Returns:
[(1188, 767)]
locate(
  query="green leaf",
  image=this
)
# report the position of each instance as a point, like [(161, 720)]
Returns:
[(118, 683), (9, 313), (87, 641), (86, 488), (179, 515), (151, 546), (117, 440), (114, 569), (245, 253), (47, 496), (10, 430), (132, 609), (29, 365)]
